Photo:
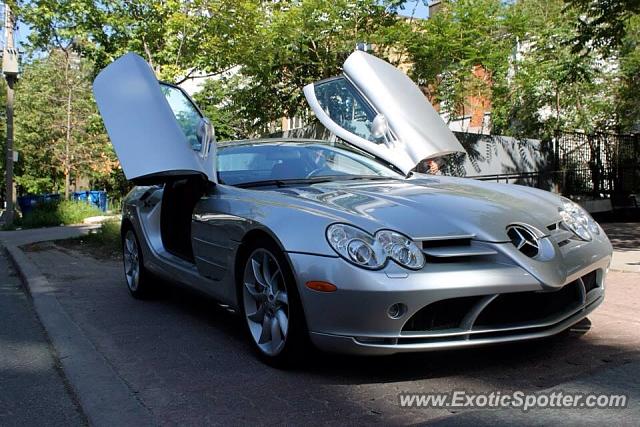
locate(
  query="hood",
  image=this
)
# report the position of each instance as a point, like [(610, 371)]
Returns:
[(433, 206)]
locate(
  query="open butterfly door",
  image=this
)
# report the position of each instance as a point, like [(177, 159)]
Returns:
[(155, 128), (377, 108)]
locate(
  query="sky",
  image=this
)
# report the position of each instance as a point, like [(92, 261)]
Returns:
[(421, 11)]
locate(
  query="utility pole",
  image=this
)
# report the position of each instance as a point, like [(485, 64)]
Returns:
[(10, 71)]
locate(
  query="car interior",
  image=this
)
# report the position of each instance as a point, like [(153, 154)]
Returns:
[(179, 197)]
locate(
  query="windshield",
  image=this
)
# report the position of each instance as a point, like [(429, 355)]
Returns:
[(286, 161)]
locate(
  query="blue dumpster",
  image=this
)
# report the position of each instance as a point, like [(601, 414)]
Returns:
[(30, 201), (95, 198)]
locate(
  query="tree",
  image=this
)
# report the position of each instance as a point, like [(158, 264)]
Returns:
[(176, 37), (214, 98), (301, 42), (552, 88), (601, 24), (462, 37), (628, 107), (3, 139), (58, 130)]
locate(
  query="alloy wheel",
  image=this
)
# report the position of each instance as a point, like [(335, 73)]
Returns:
[(131, 261), (266, 302)]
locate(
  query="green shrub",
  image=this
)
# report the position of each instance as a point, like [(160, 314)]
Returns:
[(57, 213), (109, 235), (102, 243)]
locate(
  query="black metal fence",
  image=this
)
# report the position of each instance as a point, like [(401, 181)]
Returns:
[(598, 165)]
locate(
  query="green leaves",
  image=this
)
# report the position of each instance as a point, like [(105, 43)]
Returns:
[(462, 35), (601, 24), (301, 42), (173, 36)]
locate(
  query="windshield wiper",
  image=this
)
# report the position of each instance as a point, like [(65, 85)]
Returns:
[(283, 182), (365, 177)]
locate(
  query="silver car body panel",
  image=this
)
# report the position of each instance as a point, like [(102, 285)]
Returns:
[(418, 130)]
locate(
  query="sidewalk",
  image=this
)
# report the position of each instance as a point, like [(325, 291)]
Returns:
[(625, 238), (33, 235), (34, 391), (103, 396)]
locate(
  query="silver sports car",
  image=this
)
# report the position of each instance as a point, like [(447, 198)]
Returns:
[(340, 243)]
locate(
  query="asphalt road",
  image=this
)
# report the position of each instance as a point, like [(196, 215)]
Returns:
[(189, 362), (32, 389)]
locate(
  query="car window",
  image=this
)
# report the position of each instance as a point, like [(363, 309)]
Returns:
[(238, 164), (186, 113), (346, 107), (245, 162), (347, 165)]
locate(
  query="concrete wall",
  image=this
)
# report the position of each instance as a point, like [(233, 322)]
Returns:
[(486, 155)]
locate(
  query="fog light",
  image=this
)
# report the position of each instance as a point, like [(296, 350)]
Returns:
[(396, 311)]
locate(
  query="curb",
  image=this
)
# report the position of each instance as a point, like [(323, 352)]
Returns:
[(104, 397), (625, 261)]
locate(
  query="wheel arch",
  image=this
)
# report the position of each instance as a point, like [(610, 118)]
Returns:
[(250, 238), (125, 225)]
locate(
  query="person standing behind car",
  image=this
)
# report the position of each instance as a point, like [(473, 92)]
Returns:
[(430, 166)]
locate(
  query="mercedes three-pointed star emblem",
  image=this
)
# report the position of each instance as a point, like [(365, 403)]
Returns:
[(523, 239)]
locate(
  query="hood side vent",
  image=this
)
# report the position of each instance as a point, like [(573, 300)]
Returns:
[(446, 242), (455, 249)]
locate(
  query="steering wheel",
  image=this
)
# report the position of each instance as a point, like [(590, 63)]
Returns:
[(317, 171)]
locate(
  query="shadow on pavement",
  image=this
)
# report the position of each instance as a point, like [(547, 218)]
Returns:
[(623, 236)]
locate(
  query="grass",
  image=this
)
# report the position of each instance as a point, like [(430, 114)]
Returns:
[(58, 213), (103, 243)]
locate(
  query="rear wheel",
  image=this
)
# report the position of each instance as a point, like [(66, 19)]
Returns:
[(137, 277), (271, 306)]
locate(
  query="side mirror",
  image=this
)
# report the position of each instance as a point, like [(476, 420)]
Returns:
[(206, 136), (379, 126)]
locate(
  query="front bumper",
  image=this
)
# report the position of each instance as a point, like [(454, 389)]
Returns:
[(354, 319)]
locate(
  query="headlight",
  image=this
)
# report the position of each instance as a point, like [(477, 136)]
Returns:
[(401, 249), (356, 246), (365, 250), (578, 220)]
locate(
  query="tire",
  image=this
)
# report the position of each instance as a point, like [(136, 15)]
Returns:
[(270, 305), (137, 278)]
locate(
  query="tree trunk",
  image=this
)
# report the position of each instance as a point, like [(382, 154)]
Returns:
[(557, 108), (67, 142)]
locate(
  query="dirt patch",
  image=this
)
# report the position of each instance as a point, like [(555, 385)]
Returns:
[(93, 247), (37, 247)]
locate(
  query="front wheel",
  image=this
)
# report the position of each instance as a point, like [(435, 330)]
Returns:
[(271, 305)]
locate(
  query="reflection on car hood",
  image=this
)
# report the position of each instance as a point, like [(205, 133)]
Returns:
[(432, 206)]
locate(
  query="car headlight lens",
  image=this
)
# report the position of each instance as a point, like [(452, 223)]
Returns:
[(360, 248), (355, 246), (578, 220), (401, 249)]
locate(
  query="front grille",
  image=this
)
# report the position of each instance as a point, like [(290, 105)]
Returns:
[(445, 314), (502, 311), (590, 281), (526, 307)]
